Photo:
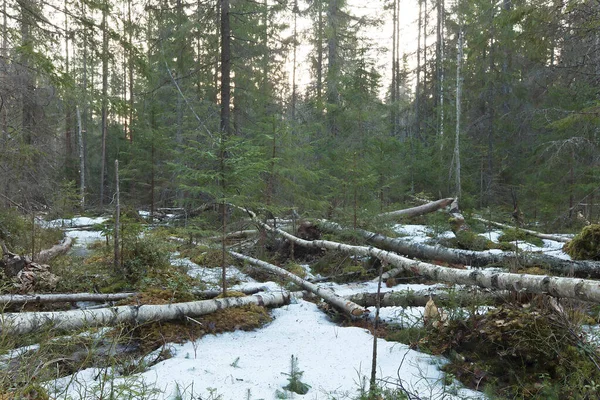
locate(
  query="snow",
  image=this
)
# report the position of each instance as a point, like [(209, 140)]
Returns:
[(240, 365), (335, 361), (74, 222)]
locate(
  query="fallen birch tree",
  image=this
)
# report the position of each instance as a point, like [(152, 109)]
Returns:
[(58, 249), (348, 307), (580, 289), (579, 268), (540, 235), (7, 299), (62, 298), (410, 298), (20, 323), (419, 210)]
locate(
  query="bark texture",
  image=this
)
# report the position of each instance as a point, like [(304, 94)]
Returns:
[(533, 233), (62, 297), (19, 323), (580, 289), (581, 268), (353, 310), (62, 248), (409, 298), (419, 210)]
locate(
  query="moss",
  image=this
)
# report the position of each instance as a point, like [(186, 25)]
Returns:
[(410, 336), (212, 258), (295, 269), (469, 240), (518, 353), (161, 296), (511, 235), (246, 318), (586, 245)]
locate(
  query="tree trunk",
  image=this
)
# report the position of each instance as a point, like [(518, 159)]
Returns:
[(104, 98), (533, 233), (459, 79), (46, 255), (409, 298), (351, 309), (99, 297), (225, 66), (420, 210), (117, 260), (62, 298), (20, 323), (580, 289), (81, 161), (583, 269)]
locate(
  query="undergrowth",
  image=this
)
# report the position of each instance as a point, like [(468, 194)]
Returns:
[(531, 352)]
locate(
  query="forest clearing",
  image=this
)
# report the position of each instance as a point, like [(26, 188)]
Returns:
[(145, 332), (319, 199)]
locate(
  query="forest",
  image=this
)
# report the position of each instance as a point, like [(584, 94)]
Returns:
[(199, 101), (340, 140)]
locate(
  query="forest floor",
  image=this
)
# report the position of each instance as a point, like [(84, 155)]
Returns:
[(300, 343)]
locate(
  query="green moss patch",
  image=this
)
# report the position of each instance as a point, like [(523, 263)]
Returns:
[(516, 352), (511, 235), (586, 245)]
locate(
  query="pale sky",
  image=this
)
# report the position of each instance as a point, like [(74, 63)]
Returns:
[(381, 36)]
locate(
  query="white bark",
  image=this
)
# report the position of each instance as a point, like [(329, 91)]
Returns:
[(581, 289), (97, 297), (19, 323), (46, 255), (409, 298), (62, 297), (533, 233), (353, 310), (583, 268), (419, 210)]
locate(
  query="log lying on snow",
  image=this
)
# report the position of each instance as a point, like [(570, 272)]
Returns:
[(62, 298), (350, 308), (97, 297), (19, 323), (62, 248), (580, 289), (419, 210), (533, 233), (582, 268), (409, 298)]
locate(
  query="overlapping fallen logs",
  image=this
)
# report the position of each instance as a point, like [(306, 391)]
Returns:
[(581, 289), (353, 310), (409, 298), (580, 268), (540, 235), (62, 298), (19, 323)]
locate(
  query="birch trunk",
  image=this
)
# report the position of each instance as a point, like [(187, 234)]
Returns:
[(62, 298), (99, 297), (419, 210), (580, 289), (19, 323), (583, 268), (346, 306), (409, 298), (533, 233), (46, 255)]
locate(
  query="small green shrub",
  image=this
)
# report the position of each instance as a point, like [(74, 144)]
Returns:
[(295, 384)]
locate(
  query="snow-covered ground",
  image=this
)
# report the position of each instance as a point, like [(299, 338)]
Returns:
[(335, 360)]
